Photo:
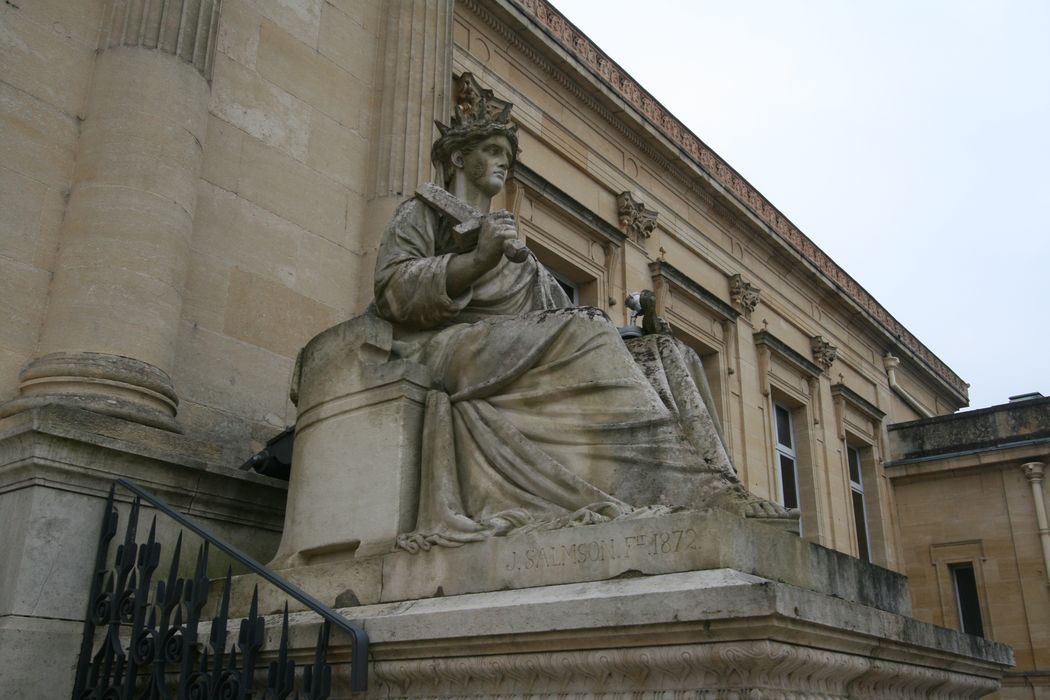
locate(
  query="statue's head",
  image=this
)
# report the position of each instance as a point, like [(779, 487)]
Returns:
[(468, 132)]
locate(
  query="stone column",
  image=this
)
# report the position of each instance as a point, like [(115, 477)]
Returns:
[(416, 84), (108, 340), (1034, 472)]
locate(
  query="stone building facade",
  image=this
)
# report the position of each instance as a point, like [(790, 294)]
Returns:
[(191, 190), (971, 499)]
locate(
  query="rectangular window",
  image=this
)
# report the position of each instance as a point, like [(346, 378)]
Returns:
[(860, 515), (967, 599), (787, 466), (571, 289)]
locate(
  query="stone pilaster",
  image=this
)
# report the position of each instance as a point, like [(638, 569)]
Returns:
[(415, 90), (108, 340)]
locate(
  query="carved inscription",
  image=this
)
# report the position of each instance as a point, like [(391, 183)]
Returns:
[(650, 544)]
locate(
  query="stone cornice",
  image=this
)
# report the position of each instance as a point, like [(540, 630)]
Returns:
[(808, 368), (858, 402), (542, 188), (604, 69), (695, 291)]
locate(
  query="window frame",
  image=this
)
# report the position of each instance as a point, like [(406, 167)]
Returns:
[(861, 529), (786, 451), (571, 289), (944, 556), (960, 611)]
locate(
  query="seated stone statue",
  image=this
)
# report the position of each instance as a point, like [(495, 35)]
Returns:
[(540, 415)]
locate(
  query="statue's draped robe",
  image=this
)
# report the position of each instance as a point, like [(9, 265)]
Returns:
[(539, 414)]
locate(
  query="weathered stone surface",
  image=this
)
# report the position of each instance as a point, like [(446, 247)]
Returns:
[(231, 231), (301, 18), (222, 154), (356, 411), (56, 466), (679, 542), (318, 81), (293, 191), (11, 361), (48, 553), (222, 372), (242, 98), (111, 384), (238, 36), (277, 317), (23, 299), (73, 20), (348, 40), (722, 631), (338, 152), (42, 62), (337, 584), (973, 430), (645, 547), (38, 656), (37, 139), (324, 271)]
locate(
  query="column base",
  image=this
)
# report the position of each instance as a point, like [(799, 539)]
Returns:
[(109, 384)]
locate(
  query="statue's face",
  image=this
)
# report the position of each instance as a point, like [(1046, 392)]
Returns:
[(486, 166)]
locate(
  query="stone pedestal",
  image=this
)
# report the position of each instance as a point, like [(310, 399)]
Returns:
[(56, 468), (718, 633), (691, 605), (355, 465)]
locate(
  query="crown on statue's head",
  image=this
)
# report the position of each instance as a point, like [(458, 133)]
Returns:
[(477, 115)]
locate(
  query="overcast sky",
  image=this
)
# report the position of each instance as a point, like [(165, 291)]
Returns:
[(910, 139)]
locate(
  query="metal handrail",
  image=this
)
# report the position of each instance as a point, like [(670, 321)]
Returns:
[(358, 636)]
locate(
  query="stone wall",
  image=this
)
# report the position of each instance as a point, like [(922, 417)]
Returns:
[(969, 490)]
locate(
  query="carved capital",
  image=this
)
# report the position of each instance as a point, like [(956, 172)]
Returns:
[(186, 29), (743, 294), (1034, 471), (824, 353), (636, 219)]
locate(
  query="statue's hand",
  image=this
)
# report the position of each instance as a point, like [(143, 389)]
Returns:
[(497, 228)]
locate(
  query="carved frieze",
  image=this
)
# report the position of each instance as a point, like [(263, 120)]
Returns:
[(824, 353), (636, 219), (743, 294)]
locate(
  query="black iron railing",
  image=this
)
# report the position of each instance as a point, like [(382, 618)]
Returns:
[(150, 646)]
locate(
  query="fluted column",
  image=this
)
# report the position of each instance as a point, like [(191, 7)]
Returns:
[(416, 55), (108, 340)]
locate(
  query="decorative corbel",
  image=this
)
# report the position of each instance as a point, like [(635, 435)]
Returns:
[(636, 219), (743, 294), (844, 397), (764, 358), (824, 353), (813, 384), (839, 402), (729, 333)]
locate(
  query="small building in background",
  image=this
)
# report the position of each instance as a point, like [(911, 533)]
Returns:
[(971, 496)]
